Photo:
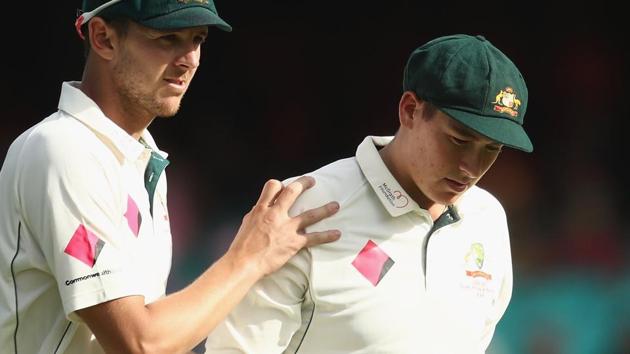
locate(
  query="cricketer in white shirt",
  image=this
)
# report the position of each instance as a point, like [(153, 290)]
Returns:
[(396, 282), (83, 220)]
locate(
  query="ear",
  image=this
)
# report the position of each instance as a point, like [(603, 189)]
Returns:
[(101, 38), (407, 107)]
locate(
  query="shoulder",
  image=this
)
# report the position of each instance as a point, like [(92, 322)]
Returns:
[(336, 181), (480, 201), (61, 152), (60, 140)]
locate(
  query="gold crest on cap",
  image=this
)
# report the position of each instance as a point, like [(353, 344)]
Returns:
[(506, 102)]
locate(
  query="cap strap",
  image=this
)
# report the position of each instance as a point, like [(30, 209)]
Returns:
[(86, 16)]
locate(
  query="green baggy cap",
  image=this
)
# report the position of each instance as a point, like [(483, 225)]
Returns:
[(473, 82), (159, 14)]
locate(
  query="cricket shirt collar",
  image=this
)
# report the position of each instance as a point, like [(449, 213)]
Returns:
[(77, 104), (387, 189)]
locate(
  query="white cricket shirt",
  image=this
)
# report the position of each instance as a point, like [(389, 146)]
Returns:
[(396, 282), (76, 227)]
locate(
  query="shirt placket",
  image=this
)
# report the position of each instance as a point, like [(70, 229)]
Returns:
[(447, 218)]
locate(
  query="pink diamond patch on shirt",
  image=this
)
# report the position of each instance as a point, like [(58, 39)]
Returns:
[(84, 245), (373, 262), (134, 219)]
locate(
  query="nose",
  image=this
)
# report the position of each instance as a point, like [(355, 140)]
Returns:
[(189, 59), (473, 164)]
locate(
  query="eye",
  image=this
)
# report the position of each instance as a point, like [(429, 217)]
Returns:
[(199, 40), (458, 141), (494, 147), (169, 38)]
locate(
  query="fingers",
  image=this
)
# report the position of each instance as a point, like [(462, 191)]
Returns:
[(269, 192), (312, 216), (317, 238), (269, 237), (290, 193)]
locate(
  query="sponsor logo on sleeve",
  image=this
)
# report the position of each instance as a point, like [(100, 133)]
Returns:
[(133, 216), (86, 277), (84, 246)]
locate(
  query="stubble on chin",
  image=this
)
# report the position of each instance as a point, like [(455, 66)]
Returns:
[(162, 107), (137, 96), (167, 107), (168, 111)]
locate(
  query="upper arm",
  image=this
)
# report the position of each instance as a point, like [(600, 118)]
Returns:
[(270, 314), (266, 319), (73, 205), (117, 323), (504, 295)]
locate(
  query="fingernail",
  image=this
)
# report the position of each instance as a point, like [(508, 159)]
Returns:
[(335, 206)]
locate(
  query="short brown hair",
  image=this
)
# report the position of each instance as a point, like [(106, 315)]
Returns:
[(429, 110)]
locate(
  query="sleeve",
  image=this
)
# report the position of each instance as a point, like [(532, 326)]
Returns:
[(73, 204), (505, 290), (269, 315)]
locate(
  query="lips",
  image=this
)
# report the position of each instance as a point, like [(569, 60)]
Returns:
[(456, 186), (178, 82)]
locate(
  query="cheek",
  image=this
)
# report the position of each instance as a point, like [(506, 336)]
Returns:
[(150, 64), (418, 153), (445, 156), (489, 161), (192, 74), (434, 158)]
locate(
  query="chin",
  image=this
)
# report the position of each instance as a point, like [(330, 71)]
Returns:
[(448, 198), (166, 114), (167, 110)]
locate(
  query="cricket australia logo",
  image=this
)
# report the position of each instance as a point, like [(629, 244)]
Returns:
[(476, 281), (506, 102), (474, 262)]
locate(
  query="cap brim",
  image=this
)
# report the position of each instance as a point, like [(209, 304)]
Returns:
[(501, 130), (187, 17)]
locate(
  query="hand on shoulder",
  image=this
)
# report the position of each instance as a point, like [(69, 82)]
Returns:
[(268, 237)]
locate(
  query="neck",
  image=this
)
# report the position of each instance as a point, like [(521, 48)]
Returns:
[(392, 157), (100, 88), (436, 210)]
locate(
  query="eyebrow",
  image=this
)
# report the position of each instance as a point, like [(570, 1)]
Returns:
[(463, 130)]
